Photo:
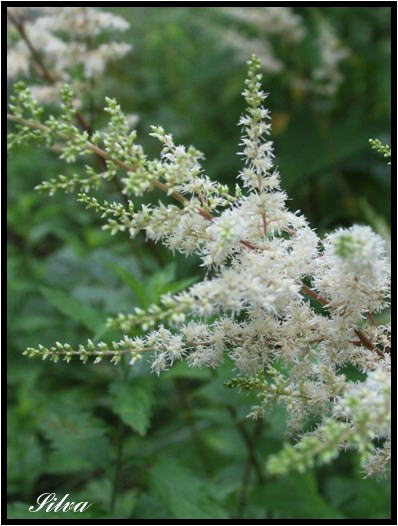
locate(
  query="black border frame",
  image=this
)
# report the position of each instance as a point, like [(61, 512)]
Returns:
[(393, 204)]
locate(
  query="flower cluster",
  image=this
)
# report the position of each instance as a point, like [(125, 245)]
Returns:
[(384, 149), (257, 29), (61, 44), (267, 22), (292, 311), (361, 415)]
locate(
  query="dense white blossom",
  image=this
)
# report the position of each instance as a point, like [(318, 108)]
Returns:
[(366, 405), (291, 310), (354, 271)]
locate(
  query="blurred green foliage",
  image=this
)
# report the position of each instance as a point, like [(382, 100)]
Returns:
[(141, 447)]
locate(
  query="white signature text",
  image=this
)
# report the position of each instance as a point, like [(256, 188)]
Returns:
[(49, 502)]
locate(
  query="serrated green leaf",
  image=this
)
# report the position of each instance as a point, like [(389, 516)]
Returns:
[(185, 495), (71, 433), (65, 425), (133, 403)]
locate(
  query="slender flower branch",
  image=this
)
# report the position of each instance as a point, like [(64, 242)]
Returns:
[(99, 152)]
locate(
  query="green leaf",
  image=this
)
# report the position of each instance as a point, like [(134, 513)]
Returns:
[(294, 496), (176, 286), (20, 510), (133, 403), (185, 495), (368, 498), (182, 370), (150, 291), (149, 507), (125, 504), (74, 308), (25, 457), (66, 424), (157, 284), (226, 442), (345, 138), (72, 432), (98, 492), (134, 284)]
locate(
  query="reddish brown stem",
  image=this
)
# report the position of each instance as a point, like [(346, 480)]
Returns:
[(265, 227), (367, 343), (320, 299), (204, 213), (372, 319), (317, 297), (35, 54)]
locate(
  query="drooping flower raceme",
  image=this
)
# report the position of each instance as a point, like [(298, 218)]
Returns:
[(292, 311)]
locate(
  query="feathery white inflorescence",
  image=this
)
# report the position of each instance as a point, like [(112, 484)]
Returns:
[(264, 268)]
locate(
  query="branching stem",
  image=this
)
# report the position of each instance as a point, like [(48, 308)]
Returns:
[(180, 198)]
